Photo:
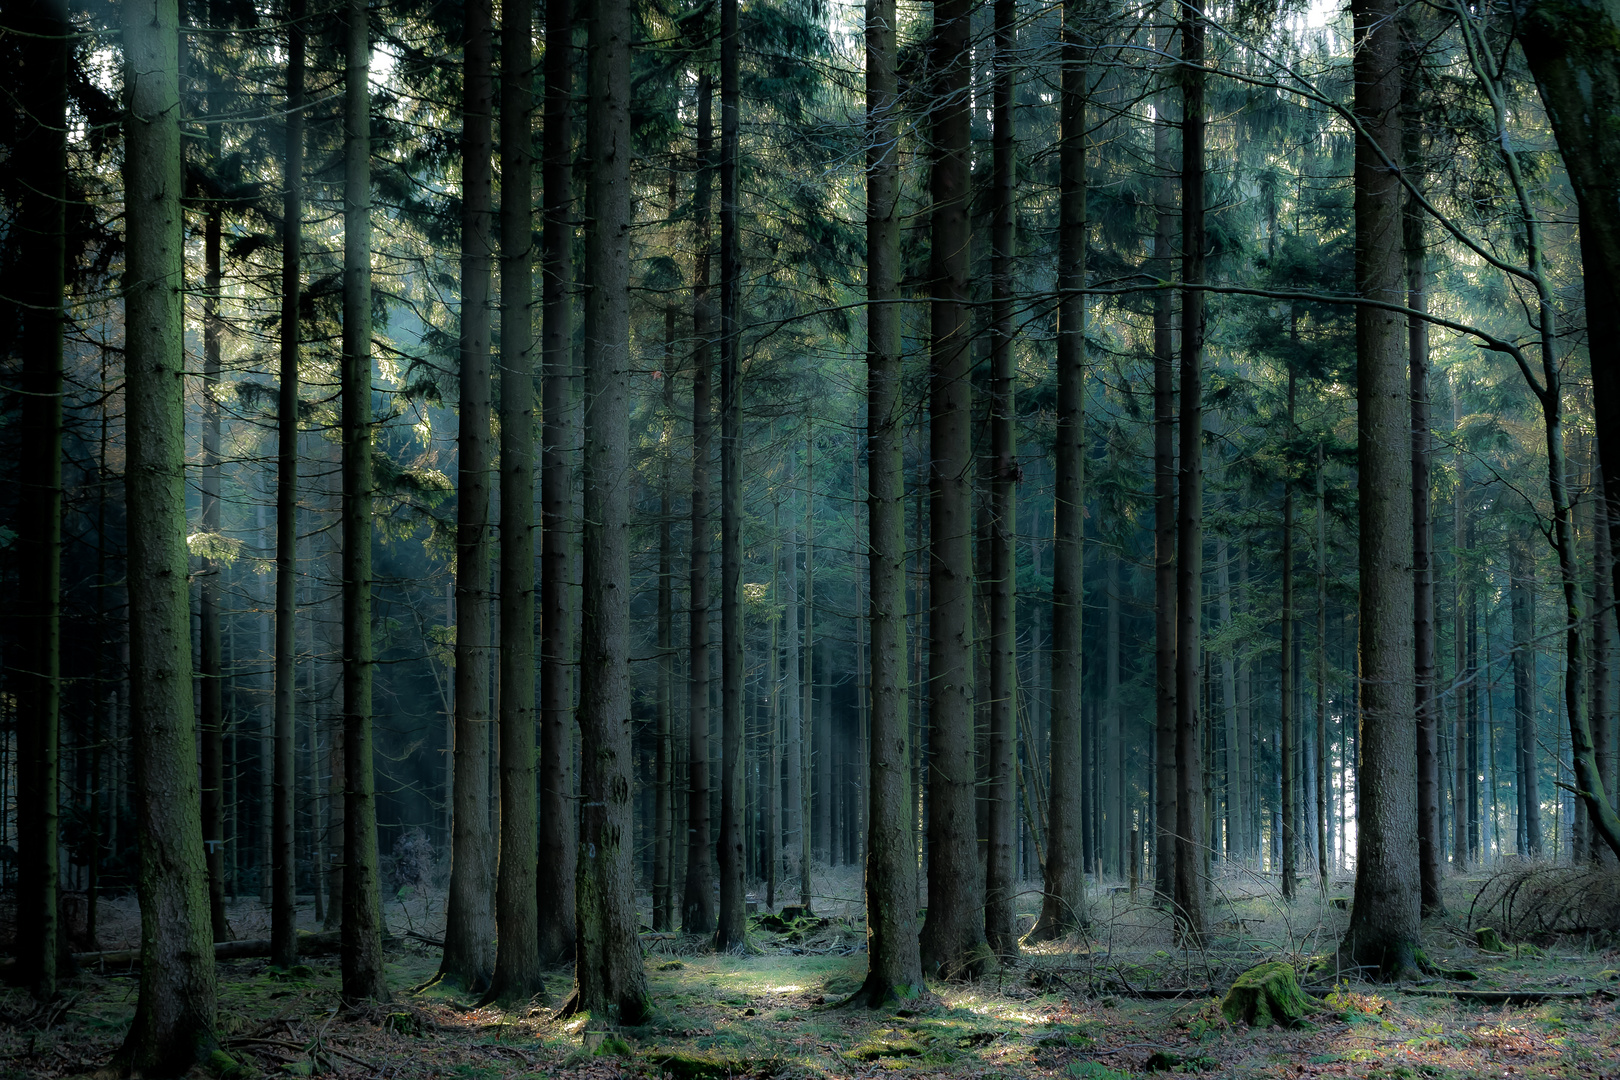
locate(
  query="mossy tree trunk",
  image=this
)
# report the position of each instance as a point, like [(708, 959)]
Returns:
[(953, 942), (1386, 921), (1063, 905), (362, 956), (517, 952), (173, 1028), (610, 977)]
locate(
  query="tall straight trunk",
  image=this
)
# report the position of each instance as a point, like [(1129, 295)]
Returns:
[(1385, 922), (1249, 829), (1602, 709), (697, 903), (1288, 720), (794, 820), (1189, 861), (554, 885), (35, 668), (1428, 706), (283, 865), (173, 1028), (826, 773), (517, 952), (1229, 760), (1324, 809), (211, 718), (894, 965), (812, 746), (1471, 682), (469, 925), (1063, 904), (611, 980), (1459, 655), (953, 943), (1001, 872), (664, 764), (1164, 516), (362, 955), (732, 922)]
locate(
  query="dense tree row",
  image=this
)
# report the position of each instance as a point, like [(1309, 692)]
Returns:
[(1107, 425)]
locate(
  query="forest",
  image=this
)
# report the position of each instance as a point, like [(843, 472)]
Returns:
[(809, 538)]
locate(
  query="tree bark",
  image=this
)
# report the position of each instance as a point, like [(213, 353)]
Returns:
[(894, 965), (283, 865), (1602, 705), (1385, 922), (664, 793), (611, 981), (953, 944), (1287, 719), (697, 903), (173, 1028), (558, 832), (1190, 881), (362, 956), (732, 923), (469, 931), (517, 951), (1001, 886), (1324, 846), (1164, 517), (1063, 905), (39, 231)]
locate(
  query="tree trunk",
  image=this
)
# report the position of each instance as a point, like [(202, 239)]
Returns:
[(362, 962), (697, 903), (1324, 847), (558, 833), (813, 746), (1602, 707), (1164, 517), (517, 952), (1287, 718), (1063, 905), (894, 965), (469, 931), (211, 682), (1189, 857), (35, 668), (611, 980), (953, 944), (1001, 886), (732, 924), (1520, 592), (173, 1028), (1428, 707), (1385, 921), (664, 794), (794, 820), (283, 862), (1459, 659)]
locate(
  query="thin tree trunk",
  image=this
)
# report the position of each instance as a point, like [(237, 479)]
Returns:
[(35, 668), (1234, 788), (1164, 517), (283, 864), (1602, 710), (1250, 829), (1287, 719), (517, 952), (813, 747), (1001, 887), (664, 793), (953, 944), (1459, 636), (732, 922), (362, 955), (611, 980), (894, 966), (1428, 711), (1189, 860), (1324, 849), (697, 903), (1063, 905), (469, 931), (794, 820), (555, 881), (173, 1027), (1385, 922)]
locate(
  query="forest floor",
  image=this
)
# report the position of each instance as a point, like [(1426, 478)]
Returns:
[(1095, 1010)]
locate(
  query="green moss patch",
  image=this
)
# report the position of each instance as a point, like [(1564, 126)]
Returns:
[(1266, 995)]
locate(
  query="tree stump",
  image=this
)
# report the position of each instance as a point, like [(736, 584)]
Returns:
[(1266, 995)]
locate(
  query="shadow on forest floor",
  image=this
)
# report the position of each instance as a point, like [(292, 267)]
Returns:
[(1094, 1010)]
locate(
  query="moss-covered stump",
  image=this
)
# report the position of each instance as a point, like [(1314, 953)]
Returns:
[(1489, 940), (1266, 995)]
